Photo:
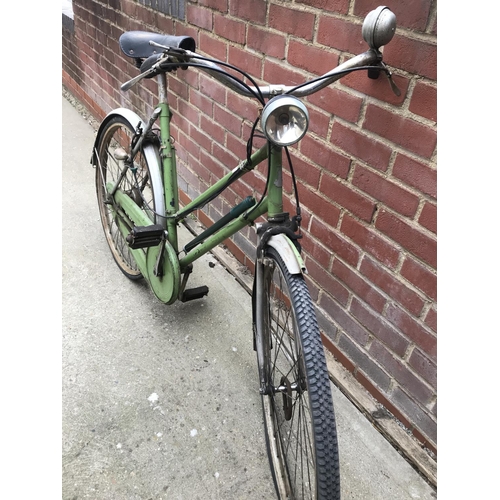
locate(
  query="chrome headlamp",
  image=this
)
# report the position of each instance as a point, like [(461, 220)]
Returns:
[(284, 120)]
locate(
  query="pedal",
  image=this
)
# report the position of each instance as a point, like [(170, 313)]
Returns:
[(194, 293), (145, 236)]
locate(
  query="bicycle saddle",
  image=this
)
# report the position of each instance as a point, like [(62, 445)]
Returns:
[(136, 43)]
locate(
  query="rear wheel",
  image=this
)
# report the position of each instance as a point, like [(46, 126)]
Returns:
[(140, 181), (298, 410)]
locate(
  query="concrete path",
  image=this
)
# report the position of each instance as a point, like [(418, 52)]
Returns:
[(161, 402)]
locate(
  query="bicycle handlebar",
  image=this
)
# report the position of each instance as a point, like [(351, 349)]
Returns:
[(378, 29), (368, 58), (371, 58)]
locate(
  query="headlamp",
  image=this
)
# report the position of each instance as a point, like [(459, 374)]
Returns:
[(284, 120)]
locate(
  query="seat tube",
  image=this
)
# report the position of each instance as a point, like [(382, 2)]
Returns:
[(168, 160), (275, 187)]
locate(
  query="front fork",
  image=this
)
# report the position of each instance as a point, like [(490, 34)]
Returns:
[(262, 336)]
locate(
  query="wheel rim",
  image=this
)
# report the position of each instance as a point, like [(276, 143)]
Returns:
[(287, 411), (136, 183)]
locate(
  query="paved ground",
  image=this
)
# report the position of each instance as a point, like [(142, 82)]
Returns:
[(161, 402)]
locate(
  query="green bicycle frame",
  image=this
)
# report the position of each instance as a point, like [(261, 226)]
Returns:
[(272, 203)]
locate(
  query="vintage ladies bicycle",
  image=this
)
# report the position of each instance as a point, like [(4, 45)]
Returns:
[(138, 198)]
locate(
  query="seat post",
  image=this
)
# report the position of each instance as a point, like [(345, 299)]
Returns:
[(162, 88)]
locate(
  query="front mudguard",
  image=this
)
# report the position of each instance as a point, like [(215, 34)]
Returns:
[(293, 261), (288, 252)]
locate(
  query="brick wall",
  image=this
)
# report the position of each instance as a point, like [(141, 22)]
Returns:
[(366, 170)]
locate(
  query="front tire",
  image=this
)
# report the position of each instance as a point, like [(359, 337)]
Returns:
[(298, 410)]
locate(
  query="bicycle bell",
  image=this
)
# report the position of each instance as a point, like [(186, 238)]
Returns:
[(379, 27), (284, 120)]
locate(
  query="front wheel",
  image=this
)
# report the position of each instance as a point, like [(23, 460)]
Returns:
[(299, 419)]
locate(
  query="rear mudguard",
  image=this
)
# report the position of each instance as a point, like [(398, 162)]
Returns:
[(150, 152)]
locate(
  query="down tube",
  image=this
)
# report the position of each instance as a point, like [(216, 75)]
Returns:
[(225, 233)]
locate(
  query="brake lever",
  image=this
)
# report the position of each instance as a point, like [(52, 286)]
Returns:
[(388, 72), (173, 51)]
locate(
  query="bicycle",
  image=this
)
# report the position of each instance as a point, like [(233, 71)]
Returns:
[(138, 198)]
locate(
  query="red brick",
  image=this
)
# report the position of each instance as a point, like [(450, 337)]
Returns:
[(225, 157), (370, 241), (392, 286), (213, 47), (200, 139), (317, 251), (215, 167), (214, 130), (389, 193), (165, 24), (431, 319), (271, 44), (327, 282), (411, 14), (228, 28), (424, 367), (228, 120), (250, 10), (199, 16), (380, 328), (406, 132), (345, 196), (415, 56), (189, 112), (177, 88), (344, 320), (400, 372), (379, 88), (340, 34), (305, 171), (220, 5), (129, 7), (417, 333), (424, 100), (320, 207), (279, 73), (428, 217), (338, 102), (190, 76), (325, 157), (201, 102), (311, 58), (236, 146), (338, 6), (416, 175), (335, 242), (212, 88), (358, 144), (294, 22), (145, 15), (420, 276), (358, 285), (249, 63), (416, 242), (319, 122), (366, 367)]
